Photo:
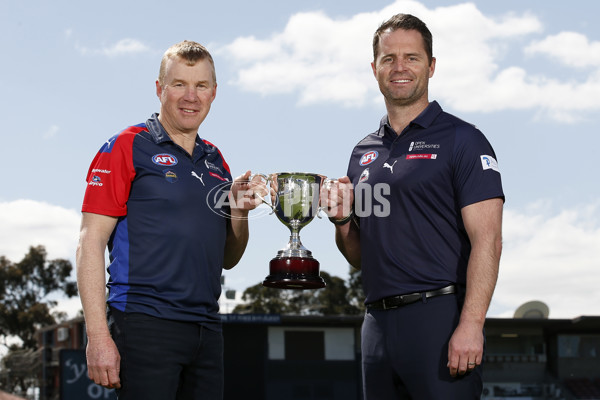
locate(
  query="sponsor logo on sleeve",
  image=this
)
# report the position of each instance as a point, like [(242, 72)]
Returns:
[(108, 146), (489, 162), (95, 181), (100, 171)]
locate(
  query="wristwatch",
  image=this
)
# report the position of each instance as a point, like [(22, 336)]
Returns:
[(344, 220)]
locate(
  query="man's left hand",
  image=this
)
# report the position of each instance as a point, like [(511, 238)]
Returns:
[(465, 349), (246, 194)]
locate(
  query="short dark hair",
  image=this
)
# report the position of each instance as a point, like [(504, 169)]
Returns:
[(406, 22), (189, 51)]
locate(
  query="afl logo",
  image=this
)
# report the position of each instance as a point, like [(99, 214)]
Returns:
[(368, 158), (164, 159)]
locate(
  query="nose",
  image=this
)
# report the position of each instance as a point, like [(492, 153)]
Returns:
[(399, 64), (190, 94)]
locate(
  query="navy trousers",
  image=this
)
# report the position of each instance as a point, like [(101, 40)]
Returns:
[(167, 360), (405, 353)]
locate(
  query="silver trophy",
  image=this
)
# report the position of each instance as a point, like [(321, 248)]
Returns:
[(295, 202)]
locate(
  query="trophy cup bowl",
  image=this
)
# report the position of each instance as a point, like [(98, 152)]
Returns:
[(295, 202)]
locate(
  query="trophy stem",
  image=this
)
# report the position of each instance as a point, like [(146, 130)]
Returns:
[(295, 242), (294, 247)]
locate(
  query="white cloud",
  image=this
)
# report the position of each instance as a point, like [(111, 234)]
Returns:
[(27, 223), (51, 132), (316, 56), (569, 48), (326, 60), (550, 258), (122, 47)]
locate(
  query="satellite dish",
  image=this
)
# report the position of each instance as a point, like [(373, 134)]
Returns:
[(532, 310)]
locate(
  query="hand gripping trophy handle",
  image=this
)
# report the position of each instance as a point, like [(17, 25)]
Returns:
[(267, 180), (295, 201)]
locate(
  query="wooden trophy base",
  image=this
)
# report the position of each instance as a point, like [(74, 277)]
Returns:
[(294, 273)]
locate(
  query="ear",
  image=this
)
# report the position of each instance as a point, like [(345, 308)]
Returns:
[(374, 69), (214, 93), (158, 89), (432, 67)]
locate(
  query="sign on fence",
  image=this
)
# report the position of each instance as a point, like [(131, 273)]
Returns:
[(74, 381)]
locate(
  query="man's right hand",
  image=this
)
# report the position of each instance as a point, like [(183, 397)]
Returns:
[(337, 198), (104, 361)]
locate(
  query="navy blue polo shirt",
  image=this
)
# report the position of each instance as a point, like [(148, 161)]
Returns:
[(167, 249), (409, 192)]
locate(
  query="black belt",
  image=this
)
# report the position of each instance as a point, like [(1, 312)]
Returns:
[(404, 299)]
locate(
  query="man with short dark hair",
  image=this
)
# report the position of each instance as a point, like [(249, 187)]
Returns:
[(425, 229)]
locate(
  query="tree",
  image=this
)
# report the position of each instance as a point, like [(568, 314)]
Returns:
[(24, 290), (25, 307), (334, 299), (356, 294), (263, 300), (20, 370)]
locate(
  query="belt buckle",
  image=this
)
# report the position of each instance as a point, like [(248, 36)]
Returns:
[(383, 303), (385, 306), (391, 306)]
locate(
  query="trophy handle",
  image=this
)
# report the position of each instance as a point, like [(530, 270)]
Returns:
[(327, 182), (267, 179)]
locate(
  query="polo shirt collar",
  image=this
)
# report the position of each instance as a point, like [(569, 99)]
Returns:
[(160, 135), (424, 120)]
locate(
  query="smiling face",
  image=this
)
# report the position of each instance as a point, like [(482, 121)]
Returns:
[(402, 68), (186, 93)]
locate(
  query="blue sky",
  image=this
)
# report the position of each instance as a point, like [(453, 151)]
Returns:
[(296, 93)]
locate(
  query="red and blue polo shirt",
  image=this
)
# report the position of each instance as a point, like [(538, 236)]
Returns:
[(166, 251)]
